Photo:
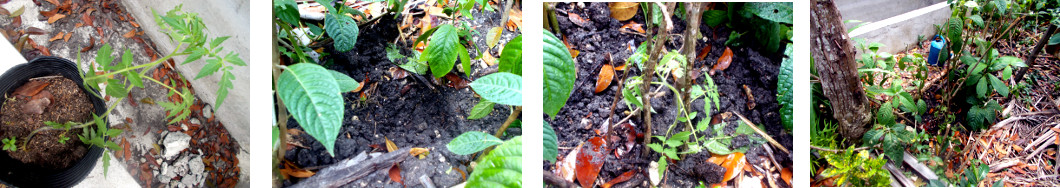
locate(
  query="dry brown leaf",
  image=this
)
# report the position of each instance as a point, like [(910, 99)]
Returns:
[(786, 175), (607, 72), (56, 17), (87, 18), (515, 19), (633, 25), (493, 36), (50, 13), (395, 173), (573, 52), (390, 146), (578, 20), (621, 178), (35, 31), (54, 2), (397, 73), (723, 61), (129, 34), (488, 58), (31, 88), (56, 37), (91, 44), (623, 10), (300, 173), (418, 151), (703, 52), (67, 37)]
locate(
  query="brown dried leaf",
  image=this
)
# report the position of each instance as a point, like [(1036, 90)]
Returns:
[(91, 44), (607, 72), (359, 87), (578, 20), (419, 152), (395, 173), (390, 146), (298, 173), (515, 20), (723, 61), (786, 175), (57, 37), (590, 161), (56, 17), (634, 26), (456, 81), (49, 13), (494, 36), (67, 37), (750, 98), (54, 2), (623, 10), (36, 106), (35, 31), (565, 168), (488, 58), (129, 34), (397, 73), (621, 178), (87, 18), (703, 52), (31, 88)]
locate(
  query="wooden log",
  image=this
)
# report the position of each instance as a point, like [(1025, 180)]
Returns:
[(919, 168)]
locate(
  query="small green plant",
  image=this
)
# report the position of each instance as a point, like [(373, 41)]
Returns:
[(857, 169), (785, 89), (9, 144), (974, 174), (61, 126), (502, 167), (892, 137), (559, 74)]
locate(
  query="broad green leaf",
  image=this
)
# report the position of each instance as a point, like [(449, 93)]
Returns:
[(441, 52), (481, 109), (312, 97), (502, 167), (116, 89), (716, 147), (217, 41), (224, 85), (885, 115), (656, 147), (977, 20), (471, 142), (982, 88), (784, 89), (671, 154), (1013, 61), (713, 18), (1055, 39), (465, 59), (559, 74), (512, 57), (998, 86), (501, 88), (343, 30), (772, 11), (550, 142), (346, 83)]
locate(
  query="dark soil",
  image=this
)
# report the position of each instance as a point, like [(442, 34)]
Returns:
[(585, 109), (405, 110), (70, 105)]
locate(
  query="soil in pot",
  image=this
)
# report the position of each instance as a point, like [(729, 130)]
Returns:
[(50, 98)]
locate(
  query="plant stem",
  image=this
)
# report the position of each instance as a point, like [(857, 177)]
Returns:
[(1034, 52), (282, 114), (511, 118), (151, 64), (662, 34)]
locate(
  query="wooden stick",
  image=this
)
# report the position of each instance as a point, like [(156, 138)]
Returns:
[(764, 135)]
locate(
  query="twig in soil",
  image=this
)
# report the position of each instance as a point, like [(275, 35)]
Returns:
[(1003, 165), (618, 95), (554, 180), (763, 134), (350, 170)]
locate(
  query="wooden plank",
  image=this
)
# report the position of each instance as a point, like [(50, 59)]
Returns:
[(897, 174), (919, 168), (349, 170)]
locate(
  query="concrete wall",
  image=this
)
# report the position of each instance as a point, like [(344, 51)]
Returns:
[(222, 18), (896, 23)]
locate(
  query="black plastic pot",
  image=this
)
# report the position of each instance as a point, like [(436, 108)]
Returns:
[(16, 173)]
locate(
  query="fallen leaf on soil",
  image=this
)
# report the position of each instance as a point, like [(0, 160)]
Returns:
[(35, 31), (456, 81), (421, 152), (633, 25), (515, 20), (732, 162), (36, 106), (54, 2), (44, 94), (129, 34), (703, 52), (91, 44), (299, 173), (49, 13), (590, 161), (395, 173), (565, 168), (488, 58), (125, 150), (621, 178), (723, 61), (4, 12), (359, 87), (494, 36), (623, 10), (57, 37), (31, 88), (56, 17), (390, 146), (786, 175), (397, 73), (573, 52), (18, 12), (578, 20), (607, 72)]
